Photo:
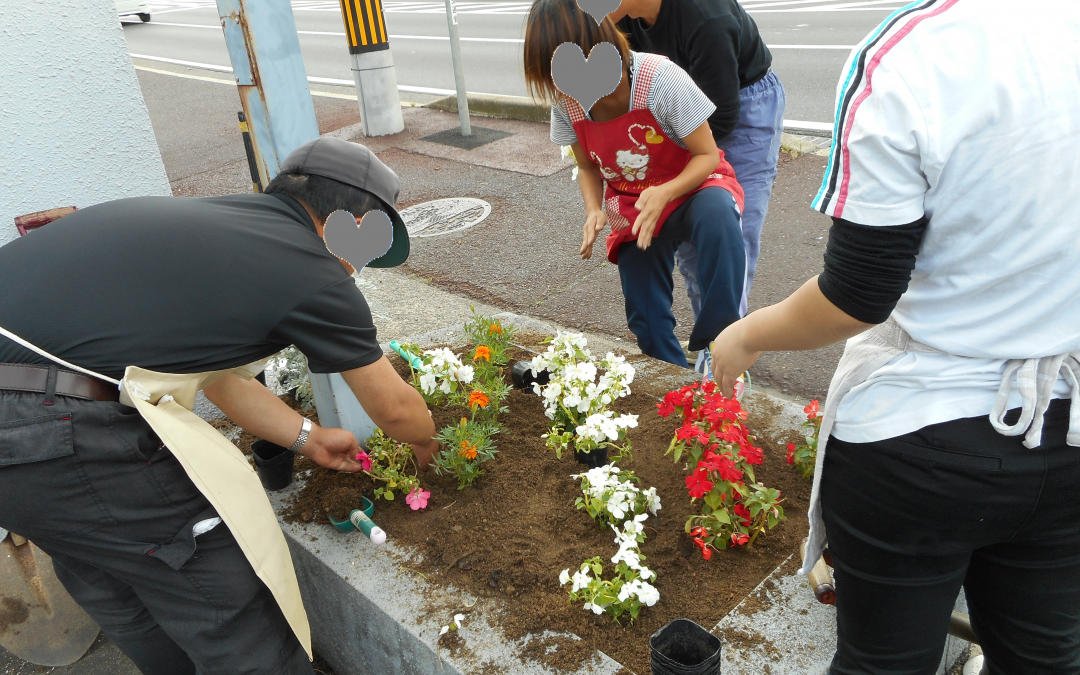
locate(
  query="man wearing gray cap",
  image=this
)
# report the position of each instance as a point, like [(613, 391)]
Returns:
[(180, 286)]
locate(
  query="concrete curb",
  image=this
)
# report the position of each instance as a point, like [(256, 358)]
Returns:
[(801, 145), (505, 107)]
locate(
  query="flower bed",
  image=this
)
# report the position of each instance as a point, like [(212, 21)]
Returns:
[(514, 532)]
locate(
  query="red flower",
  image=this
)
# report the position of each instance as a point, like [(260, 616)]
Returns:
[(738, 539), (691, 432), (751, 454), (667, 406), (744, 513), (790, 453), (727, 470), (811, 410), (698, 532), (698, 484), (706, 552)]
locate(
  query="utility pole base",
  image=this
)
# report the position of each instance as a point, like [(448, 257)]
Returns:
[(377, 93)]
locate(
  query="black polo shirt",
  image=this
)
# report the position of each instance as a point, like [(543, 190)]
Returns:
[(182, 285), (715, 42)]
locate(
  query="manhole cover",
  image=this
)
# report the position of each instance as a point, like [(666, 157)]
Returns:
[(444, 216)]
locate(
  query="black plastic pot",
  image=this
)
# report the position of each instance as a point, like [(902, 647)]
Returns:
[(523, 377), (274, 464), (594, 459), (684, 648)]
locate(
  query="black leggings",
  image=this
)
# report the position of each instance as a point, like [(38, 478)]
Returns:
[(913, 519)]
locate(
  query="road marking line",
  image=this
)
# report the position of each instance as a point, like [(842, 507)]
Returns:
[(788, 124), (464, 39)]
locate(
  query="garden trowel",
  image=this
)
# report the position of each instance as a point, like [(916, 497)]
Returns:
[(39, 622)]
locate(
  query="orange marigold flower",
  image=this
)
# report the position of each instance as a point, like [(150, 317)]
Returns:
[(468, 450), (495, 328), (478, 398), (482, 352)]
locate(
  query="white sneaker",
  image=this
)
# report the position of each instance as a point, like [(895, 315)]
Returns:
[(974, 666)]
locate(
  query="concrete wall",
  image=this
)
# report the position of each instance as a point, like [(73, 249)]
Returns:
[(74, 130)]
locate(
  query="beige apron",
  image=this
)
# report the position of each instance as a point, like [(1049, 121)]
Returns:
[(218, 469), (864, 354)]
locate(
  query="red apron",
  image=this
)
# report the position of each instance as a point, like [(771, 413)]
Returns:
[(633, 153)]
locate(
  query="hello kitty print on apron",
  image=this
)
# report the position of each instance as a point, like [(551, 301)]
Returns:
[(634, 154)]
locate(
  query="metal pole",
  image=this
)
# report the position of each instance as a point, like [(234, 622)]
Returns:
[(459, 69), (373, 67), (265, 52)]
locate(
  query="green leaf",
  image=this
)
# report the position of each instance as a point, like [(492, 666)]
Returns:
[(678, 452), (713, 499), (389, 495)]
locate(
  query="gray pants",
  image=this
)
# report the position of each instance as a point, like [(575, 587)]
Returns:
[(91, 485)]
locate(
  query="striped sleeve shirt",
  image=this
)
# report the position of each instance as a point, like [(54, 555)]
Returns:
[(674, 100)]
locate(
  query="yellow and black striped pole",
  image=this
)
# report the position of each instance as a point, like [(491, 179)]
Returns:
[(373, 67), (365, 28)]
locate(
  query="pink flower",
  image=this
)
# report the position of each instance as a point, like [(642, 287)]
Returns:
[(417, 499), (364, 459)]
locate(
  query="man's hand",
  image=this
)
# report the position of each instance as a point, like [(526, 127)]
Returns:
[(333, 449), (595, 221), (650, 205), (425, 453)]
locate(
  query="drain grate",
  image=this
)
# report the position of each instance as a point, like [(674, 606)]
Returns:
[(444, 216)]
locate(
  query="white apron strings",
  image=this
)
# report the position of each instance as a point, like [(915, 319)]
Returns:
[(866, 353), (41, 352)]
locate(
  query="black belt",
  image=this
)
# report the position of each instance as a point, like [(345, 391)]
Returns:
[(35, 379)]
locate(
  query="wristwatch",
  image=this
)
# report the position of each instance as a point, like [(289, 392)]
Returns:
[(305, 431)]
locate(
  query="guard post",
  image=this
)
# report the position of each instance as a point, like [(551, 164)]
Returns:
[(265, 52), (373, 67)]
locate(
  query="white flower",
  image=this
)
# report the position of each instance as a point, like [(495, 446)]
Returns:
[(564, 577), (646, 573), (628, 555), (596, 609), (458, 618), (581, 580), (647, 593), (627, 421), (427, 383), (652, 500), (635, 526), (444, 631)]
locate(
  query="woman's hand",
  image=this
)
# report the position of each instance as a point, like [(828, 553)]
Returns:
[(650, 205), (731, 358), (595, 221)]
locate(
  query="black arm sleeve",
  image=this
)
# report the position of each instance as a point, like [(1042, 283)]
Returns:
[(868, 268), (333, 329)]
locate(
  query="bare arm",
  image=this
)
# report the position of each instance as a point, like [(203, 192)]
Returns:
[(257, 410), (804, 320), (591, 183), (395, 406), (652, 201)]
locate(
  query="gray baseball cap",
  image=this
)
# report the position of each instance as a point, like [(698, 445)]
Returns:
[(356, 165)]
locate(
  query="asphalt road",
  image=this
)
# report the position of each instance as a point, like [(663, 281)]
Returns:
[(810, 40)]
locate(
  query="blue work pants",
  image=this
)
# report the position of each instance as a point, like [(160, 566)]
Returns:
[(710, 221), (752, 150)]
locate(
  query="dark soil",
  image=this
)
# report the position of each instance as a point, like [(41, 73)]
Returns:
[(512, 533)]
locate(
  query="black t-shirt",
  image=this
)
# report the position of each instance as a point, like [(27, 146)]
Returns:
[(716, 42), (182, 285)]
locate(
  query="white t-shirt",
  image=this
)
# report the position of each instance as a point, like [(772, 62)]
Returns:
[(967, 111), (674, 100)]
